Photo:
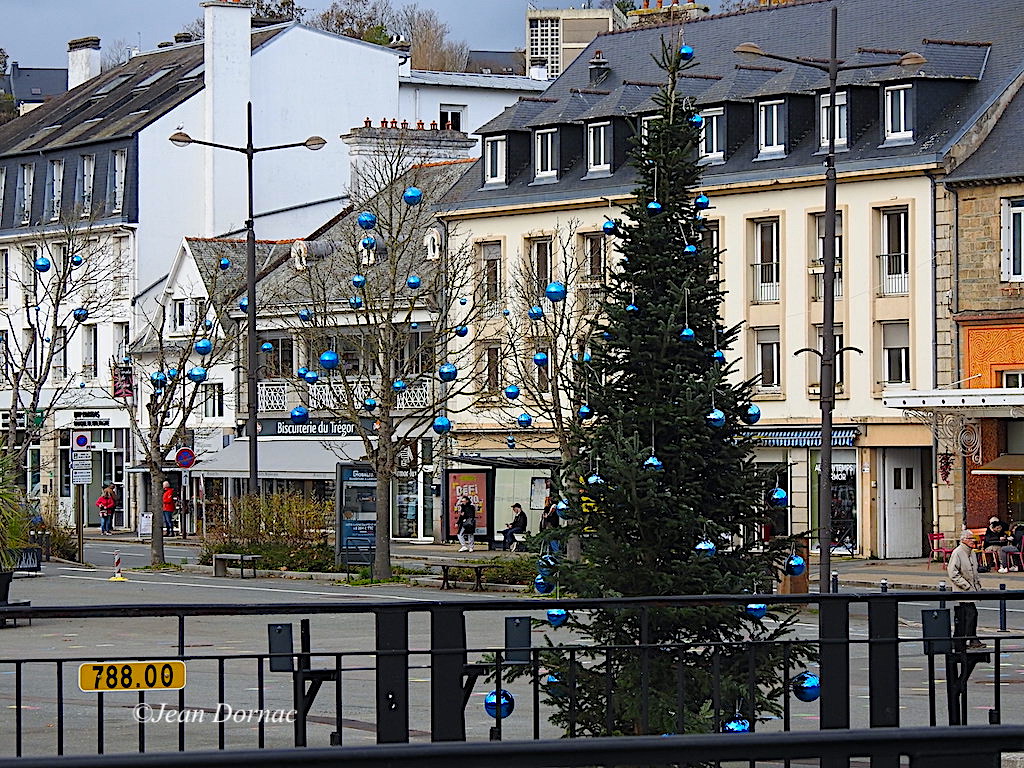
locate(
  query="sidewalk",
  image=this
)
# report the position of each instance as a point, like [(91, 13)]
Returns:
[(912, 574)]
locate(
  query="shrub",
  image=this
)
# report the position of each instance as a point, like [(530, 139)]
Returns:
[(63, 538)]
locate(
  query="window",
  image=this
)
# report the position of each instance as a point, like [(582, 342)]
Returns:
[(432, 245), (645, 126), (88, 174), (711, 145), (55, 184), (540, 264), (896, 352), (894, 261), (766, 261), (60, 353), (1012, 265), (491, 267), (768, 362), (1013, 379), (119, 165), (122, 263), (90, 351), (30, 351), (349, 356), (122, 340), (543, 378), (213, 400), (31, 273), (5, 277), (597, 147), (840, 119), (278, 363), (544, 154), (418, 356), (492, 369), (546, 42), (897, 113), (837, 335), (594, 255), (26, 182), (3, 189), (769, 131), (494, 160), (819, 255), (183, 313), (451, 116), (5, 354)]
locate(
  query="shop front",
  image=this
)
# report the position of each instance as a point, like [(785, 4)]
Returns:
[(101, 461)]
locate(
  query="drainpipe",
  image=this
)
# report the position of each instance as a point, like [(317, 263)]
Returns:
[(935, 358)]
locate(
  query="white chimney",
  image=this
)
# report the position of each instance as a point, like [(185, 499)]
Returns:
[(227, 52), (538, 68), (83, 60), (404, 47)]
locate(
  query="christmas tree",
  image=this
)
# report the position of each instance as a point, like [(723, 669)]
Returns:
[(665, 493)]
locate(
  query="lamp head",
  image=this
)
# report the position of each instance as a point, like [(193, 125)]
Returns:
[(315, 143), (752, 48), (180, 139), (912, 59)]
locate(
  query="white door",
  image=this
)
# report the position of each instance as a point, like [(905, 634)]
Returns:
[(901, 503)]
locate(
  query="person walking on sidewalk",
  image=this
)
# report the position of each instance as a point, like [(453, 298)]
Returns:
[(168, 508), (963, 572), (465, 525), (106, 503)]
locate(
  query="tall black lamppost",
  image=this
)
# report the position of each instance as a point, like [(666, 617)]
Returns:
[(832, 66), (251, 366)]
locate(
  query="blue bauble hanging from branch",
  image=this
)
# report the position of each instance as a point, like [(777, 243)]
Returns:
[(267, 347), (461, 331), (511, 391), (686, 52), (224, 263), (689, 249), (555, 291), (299, 415), (77, 260), (756, 610), (42, 264), (595, 479), (442, 425), (557, 617), (687, 334), (412, 195), (243, 304), (540, 359), (654, 207), (306, 315), (653, 464), (696, 121), (736, 724), (510, 441), (447, 372), (370, 404), (329, 360), (610, 228), (81, 314), (197, 374), (706, 547), (414, 282), (715, 418), (399, 386), (778, 497), (702, 202), (366, 220), (807, 686), (368, 243), (172, 373), (301, 373), (524, 420), (499, 704), (752, 415), (542, 585), (795, 565), (356, 302), (585, 412), (203, 347), (718, 356), (632, 309), (311, 377), (358, 281), (159, 378), (535, 313)]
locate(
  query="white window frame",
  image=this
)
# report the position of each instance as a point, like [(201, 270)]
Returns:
[(213, 400), (545, 163), (5, 278), (1012, 379), (768, 348), (452, 109), (837, 333), (541, 263), (767, 266), (28, 180), (60, 353), (90, 351), (598, 159), (491, 259), (119, 160), (772, 142), (894, 266), (88, 180), (840, 119), (494, 160), (892, 352), (3, 190), (1011, 268), (712, 151), (645, 126), (56, 188), (898, 103)]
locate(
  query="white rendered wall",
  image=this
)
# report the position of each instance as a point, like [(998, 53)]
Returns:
[(423, 102)]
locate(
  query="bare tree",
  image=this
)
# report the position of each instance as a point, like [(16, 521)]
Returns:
[(368, 20), (115, 54), (431, 47)]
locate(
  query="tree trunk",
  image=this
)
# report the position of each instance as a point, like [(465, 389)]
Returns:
[(382, 560), (156, 498)]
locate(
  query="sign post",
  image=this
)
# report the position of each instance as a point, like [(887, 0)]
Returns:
[(81, 476)]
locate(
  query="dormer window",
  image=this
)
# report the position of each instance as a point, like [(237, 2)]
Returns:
[(544, 154), (494, 160), (770, 128), (711, 138), (839, 116), (898, 125), (598, 159)]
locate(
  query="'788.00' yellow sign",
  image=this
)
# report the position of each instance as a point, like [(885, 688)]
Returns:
[(132, 676)]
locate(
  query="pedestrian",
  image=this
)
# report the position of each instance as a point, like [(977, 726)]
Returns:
[(518, 525), (465, 525), (997, 542), (168, 508), (106, 503), (963, 572), (549, 520)]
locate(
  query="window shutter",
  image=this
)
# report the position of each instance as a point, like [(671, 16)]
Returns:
[(1006, 252)]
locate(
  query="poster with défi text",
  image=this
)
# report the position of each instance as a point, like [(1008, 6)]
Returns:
[(473, 485)]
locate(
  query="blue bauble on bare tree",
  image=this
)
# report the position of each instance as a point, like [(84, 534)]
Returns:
[(366, 220), (299, 414)]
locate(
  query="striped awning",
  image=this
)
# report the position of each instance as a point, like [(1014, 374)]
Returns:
[(790, 437)]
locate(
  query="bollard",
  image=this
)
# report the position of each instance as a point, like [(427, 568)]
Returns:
[(1002, 609), (884, 584), (942, 588), (118, 576), (835, 582)]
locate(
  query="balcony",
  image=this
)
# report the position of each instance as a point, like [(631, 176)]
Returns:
[(818, 290), (272, 395), (893, 274), (766, 282), (281, 395)]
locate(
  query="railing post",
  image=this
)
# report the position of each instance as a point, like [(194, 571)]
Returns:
[(942, 588), (884, 672), (835, 582), (834, 633), (447, 668), (392, 676), (1002, 609)]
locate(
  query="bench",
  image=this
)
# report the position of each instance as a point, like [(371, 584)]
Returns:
[(520, 538), (220, 563), (478, 574)]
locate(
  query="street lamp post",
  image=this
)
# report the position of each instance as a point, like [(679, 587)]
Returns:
[(828, 353), (314, 143)]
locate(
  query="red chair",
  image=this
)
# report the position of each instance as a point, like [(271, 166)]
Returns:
[(937, 542)]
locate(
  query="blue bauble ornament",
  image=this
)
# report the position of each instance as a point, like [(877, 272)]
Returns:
[(305, 315), (606, 335), (358, 281), (463, 300), (689, 249), (686, 52), (197, 374), (718, 356), (356, 302), (81, 385), (447, 372), (696, 121), (203, 347), (535, 313), (555, 291), (715, 418), (368, 243), (701, 202), (267, 346), (412, 195), (807, 686), (632, 309), (81, 314), (595, 479), (442, 425), (172, 373), (706, 547), (510, 441), (461, 330), (542, 585), (366, 220), (414, 282), (158, 377), (585, 412), (42, 264), (329, 360), (540, 359), (557, 617), (224, 263), (756, 610), (399, 386), (524, 420), (506, 312), (687, 334), (654, 207), (752, 415), (562, 509), (610, 228), (301, 373), (511, 391), (502, 708), (77, 260), (299, 414), (795, 565), (243, 304), (700, 223), (736, 724), (653, 464), (778, 497), (311, 377), (370, 404)]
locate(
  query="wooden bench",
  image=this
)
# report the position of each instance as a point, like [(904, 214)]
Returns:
[(478, 574), (220, 563)]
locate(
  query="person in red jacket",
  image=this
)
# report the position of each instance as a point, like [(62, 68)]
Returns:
[(106, 503), (168, 507)]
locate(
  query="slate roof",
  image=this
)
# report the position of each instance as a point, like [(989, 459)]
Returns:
[(622, 102), (979, 50), (569, 108), (474, 80), (35, 84), (498, 62), (998, 157), (517, 116)]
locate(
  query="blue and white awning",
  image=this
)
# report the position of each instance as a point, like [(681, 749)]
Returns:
[(790, 437)]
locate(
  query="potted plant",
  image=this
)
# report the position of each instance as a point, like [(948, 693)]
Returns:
[(14, 529)]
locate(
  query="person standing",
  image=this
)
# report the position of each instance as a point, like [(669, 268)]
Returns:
[(549, 519), (465, 525), (168, 508), (106, 503), (963, 572)]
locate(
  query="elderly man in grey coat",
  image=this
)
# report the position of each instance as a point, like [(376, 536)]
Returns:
[(963, 572)]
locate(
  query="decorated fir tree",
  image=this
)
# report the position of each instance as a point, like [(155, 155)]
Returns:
[(665, 492)]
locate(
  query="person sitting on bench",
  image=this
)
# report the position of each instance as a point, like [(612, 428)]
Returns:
[(518, 525)]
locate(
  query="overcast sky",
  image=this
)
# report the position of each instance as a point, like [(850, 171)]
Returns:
[(35, 32)]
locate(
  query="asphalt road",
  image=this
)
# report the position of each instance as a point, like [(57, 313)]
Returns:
[(101, 553)]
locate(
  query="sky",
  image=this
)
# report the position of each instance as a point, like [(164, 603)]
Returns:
[(35, 33)]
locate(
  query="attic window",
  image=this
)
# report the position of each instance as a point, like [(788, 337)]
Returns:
[(494, 160), (108, 87), (770, 122), (840, 119), (898, 125), (37, 91), (193, 73), (154, 77)]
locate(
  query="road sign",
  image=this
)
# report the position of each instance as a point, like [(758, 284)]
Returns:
[(82, 465), (81, 476), (81, 456), (185, 458), (81, 439)]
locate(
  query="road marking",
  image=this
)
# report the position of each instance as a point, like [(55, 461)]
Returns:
[(80, 570), (256, 589)]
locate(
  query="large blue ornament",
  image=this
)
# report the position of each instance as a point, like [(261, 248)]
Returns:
[(414, 282), (540, 359), (197, 374), (267, 346), (756, 610), (243, 304), (778, 497), (706, 547), (502, 709), (654, 207), (715, 418), (687, 334), (204, 347), (535, 313), (368, 243), (366, 220), (542, 585), (632, 309), (305, 315), (172, 373), (510, 441), (795, 565), (81, 314), (370, 404), (654, 464), (696, 121), (442, 425), (461, 330), (329, 360), (159, 378), (701, 202), (610, 228), (807, 686), (412, 195), (311, 377), (736, 724), (557, 617), (358, 281), (447, 372), (511, 391), (77, 260), (689, 249), (686, 52), (225, 263), (42, 264), (752, 415), (301, 373), (524, 420), (299, 414), (207, 323), (356, 302), (718, 356), (555, 291), (399, 386), (585, 412), (463, 300)]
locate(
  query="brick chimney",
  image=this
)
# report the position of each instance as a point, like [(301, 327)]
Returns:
[(83, 60), (599, 68), (183, 37)]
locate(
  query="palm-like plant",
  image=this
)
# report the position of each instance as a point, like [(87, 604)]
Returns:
[(13, 520)]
